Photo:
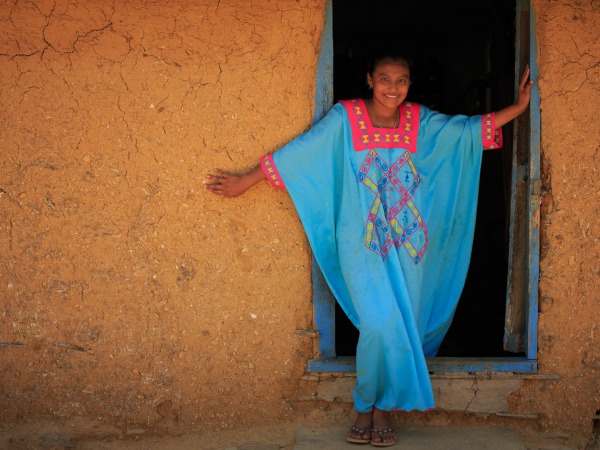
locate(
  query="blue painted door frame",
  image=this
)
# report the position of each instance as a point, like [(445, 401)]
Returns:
[(323, 300)]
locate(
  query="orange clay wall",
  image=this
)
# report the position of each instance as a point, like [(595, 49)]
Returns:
[(130, 296), (569, 320)]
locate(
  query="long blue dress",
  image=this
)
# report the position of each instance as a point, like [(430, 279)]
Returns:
[(390, 217)]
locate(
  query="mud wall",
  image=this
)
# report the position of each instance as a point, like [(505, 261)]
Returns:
[(569, 82), (133, 297), (129, 294)]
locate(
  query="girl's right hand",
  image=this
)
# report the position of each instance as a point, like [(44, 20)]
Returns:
[(232, 185), (226, 184)]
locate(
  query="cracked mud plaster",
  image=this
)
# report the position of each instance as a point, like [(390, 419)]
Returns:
[(111, 114), (569, 81)]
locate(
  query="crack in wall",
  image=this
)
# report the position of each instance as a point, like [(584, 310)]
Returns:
[(475, 389)]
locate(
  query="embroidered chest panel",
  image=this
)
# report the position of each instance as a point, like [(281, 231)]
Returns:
[(394, 219), (365, 136)]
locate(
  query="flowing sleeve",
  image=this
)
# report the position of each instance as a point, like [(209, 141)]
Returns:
[(309, 167), (449, 131), (306, 158), (316, 172)]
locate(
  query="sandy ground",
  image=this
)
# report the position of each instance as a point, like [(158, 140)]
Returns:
[(290, 435)]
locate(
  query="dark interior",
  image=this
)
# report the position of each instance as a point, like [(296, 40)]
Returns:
[(463, 63)]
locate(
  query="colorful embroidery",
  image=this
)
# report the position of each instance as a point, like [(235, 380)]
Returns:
[(490, 136), (394, 219), (365, 136), (270, 170)]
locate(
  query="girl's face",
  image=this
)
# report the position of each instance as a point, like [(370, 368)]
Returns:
[(390, 82)]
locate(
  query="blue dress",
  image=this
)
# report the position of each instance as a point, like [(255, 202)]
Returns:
[(390, 217)]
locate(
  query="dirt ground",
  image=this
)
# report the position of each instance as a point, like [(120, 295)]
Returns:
[(134, 300), (46, 436), (285, 435)]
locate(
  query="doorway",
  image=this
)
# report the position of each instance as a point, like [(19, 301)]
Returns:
[(463, 63)]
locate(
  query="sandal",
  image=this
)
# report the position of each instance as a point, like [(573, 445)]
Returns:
[(361, 432), (381, 433)]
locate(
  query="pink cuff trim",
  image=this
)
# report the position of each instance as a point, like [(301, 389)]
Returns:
[(490, 136), (271, 173)]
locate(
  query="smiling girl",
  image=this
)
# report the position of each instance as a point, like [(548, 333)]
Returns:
[(387, 192)]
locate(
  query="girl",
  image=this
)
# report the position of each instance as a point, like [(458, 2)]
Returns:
[(387, 192)]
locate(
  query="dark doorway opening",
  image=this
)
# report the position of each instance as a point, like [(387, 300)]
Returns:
[(463, 63)]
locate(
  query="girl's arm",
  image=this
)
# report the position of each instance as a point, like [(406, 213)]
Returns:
[(509, 113), (232, 185)]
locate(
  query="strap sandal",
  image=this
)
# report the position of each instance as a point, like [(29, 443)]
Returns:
[(361, 432), (382, 433)]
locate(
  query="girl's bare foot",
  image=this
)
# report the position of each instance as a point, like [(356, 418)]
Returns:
[(382, 434), (360, 433)]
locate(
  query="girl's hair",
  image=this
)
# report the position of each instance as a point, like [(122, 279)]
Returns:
[(388, 56)]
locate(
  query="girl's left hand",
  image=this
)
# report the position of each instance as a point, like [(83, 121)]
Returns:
[(524, 93)]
